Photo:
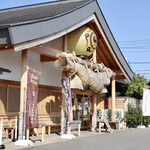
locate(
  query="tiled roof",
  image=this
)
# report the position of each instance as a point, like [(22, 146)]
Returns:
[(39, 12)]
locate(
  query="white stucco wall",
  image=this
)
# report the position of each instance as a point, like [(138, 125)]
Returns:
[(57, 43), (11, 60), (50, 75)]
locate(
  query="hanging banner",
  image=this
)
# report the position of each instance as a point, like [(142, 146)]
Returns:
[(31, 101), (67, 95), (146, 102)]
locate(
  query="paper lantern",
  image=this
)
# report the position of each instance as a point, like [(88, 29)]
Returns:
[(82, 40)]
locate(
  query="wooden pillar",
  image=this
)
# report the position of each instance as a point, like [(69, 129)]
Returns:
[(74, 105), (79, 126), (22, 91), (82, 100), (113, 93), (94, 116), (63, 104), (98, 101), (89, 109)]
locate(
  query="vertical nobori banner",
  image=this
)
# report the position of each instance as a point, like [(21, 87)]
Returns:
[(32, 95), (146, 102), (67, 95)]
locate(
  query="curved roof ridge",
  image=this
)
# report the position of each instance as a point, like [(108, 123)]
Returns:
[(39, 12), (41, 3)]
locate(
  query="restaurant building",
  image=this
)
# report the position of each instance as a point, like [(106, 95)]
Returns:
[(33, 36)]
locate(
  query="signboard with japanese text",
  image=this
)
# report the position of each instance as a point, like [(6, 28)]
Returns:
[(67, 95), (31, 101), (146, 102)]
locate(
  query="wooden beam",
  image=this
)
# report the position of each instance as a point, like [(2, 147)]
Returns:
[(90, 25), (6, 47), (23, 79), (80, 92), (113, 93), (119, 77), (109, 52), (17, 84), (46, 51), (106, 53), (99, 59), (94, 56), (102, 57), (117, 71), (22, 90), (44, 58)]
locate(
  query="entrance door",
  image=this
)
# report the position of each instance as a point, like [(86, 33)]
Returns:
[(83, 109)]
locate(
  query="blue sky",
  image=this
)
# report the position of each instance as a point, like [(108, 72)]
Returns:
[(130, 24)]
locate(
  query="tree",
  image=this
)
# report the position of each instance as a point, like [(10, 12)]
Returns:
[(134, 116), (135, 87)]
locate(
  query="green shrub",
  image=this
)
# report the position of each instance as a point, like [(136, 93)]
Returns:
[(134, 116)]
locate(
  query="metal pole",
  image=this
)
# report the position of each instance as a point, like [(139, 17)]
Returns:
[(1, 133), (33, 69), (141, 120), (25, 101), (16, 130), (24, 119)]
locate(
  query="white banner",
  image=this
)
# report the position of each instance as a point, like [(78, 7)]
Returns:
[(146, 102)]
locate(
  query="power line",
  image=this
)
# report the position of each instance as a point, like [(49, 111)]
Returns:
[(141, 70), (139, 43), (144, 73), (133, 41), (139, 62), (135, 51), (135, 47)]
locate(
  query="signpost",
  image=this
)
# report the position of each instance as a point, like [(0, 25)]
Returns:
[(30, 104), (1, 133), (67, 96), (146, 102), (145, 105), (31, 100)]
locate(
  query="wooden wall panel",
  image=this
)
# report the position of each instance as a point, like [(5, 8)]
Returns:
[(13, 99), (3, 99), (119, 103), (55, 101), (98, 102), (102, 103), (48, 112), (44, 101)]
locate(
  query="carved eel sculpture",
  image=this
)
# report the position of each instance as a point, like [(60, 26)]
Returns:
[(85, 75)]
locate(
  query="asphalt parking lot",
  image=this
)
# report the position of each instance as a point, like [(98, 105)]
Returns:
[(130, 139)]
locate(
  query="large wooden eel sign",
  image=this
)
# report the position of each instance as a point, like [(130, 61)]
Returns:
[(85, 75)]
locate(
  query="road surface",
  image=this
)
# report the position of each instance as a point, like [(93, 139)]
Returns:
[(130, 139)]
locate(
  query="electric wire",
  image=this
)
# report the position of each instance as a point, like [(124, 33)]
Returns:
[(139, 62), (137, 46), (132, 41)]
